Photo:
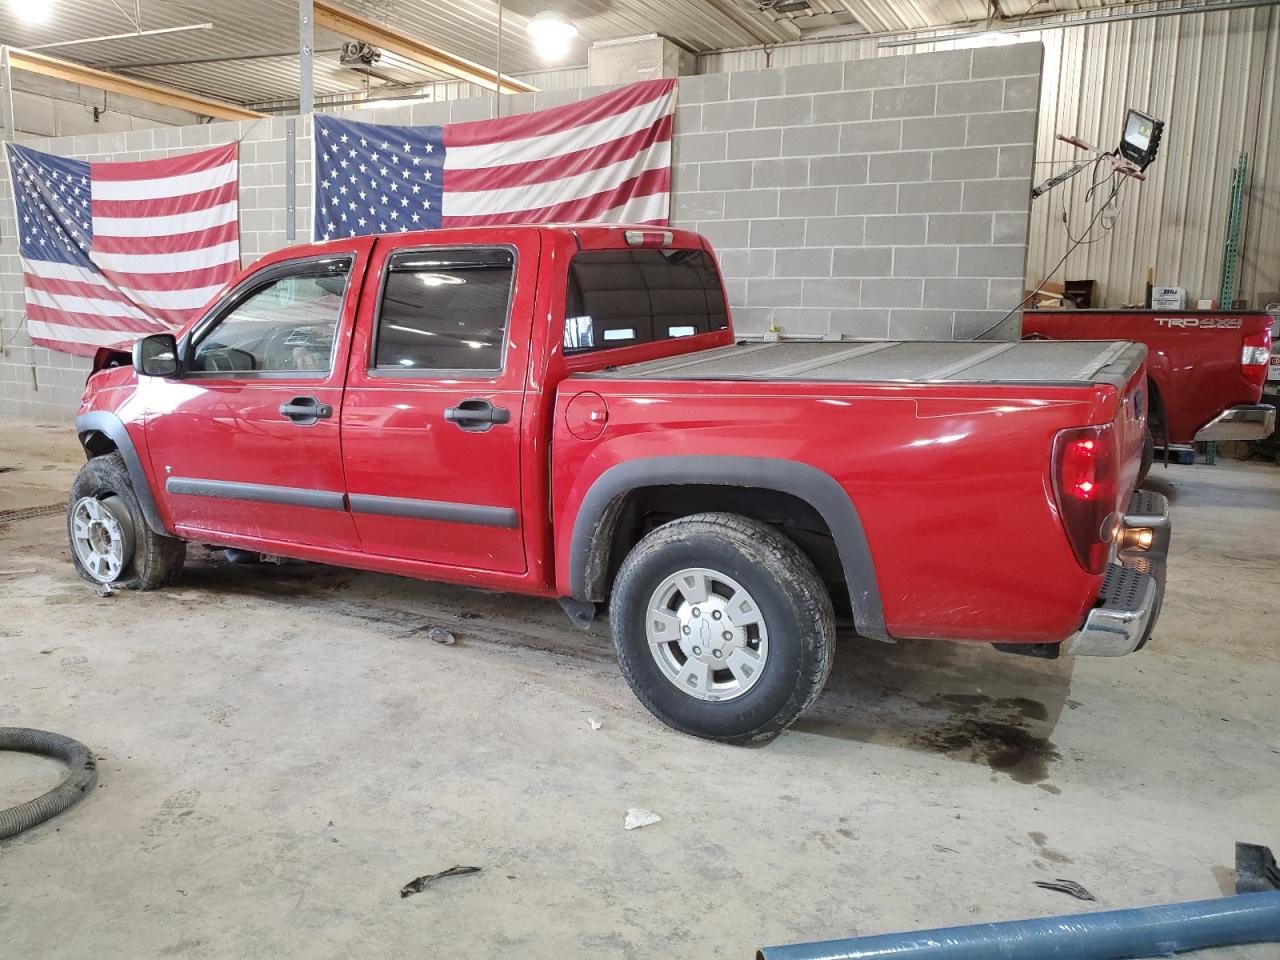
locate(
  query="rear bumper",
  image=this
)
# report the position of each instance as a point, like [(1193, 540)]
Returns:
[(1254, 421), (1133, 589)]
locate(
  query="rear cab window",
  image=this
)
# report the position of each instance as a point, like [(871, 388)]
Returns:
[(620, 298), (445, 309)]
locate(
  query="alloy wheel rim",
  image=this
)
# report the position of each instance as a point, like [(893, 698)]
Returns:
[(100, 537), (706, 634)]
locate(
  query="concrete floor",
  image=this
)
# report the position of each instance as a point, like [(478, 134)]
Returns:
[(282, 750)]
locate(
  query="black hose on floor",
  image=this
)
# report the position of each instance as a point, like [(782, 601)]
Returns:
[(84, 773)]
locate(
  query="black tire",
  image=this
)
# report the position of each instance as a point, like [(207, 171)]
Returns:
[(791, 597), (1148, 456), (157, 560)]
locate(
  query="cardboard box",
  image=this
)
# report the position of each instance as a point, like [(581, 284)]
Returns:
[(1168, 298)]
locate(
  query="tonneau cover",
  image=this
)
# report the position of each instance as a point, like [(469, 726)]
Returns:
[(1049, 362)]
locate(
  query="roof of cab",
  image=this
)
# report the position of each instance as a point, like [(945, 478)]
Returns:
[(588, 236)]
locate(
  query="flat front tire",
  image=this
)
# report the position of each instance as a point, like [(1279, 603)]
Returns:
[(722, 627), (111, 544)]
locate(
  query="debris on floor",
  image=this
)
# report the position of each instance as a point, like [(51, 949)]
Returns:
[(418, 884), (638, 817), (593, 723), (1066, 886), (441, 635), (1256, 868)]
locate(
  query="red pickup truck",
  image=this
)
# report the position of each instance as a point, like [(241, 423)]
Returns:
[(563, 411), (1205, 369)]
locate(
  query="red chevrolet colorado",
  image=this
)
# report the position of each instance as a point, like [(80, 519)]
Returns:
[(1206, 369), (563, 411)]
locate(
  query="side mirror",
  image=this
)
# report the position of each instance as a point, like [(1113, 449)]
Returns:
[(156, 355)]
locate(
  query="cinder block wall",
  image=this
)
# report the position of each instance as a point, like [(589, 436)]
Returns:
[(884, 197)]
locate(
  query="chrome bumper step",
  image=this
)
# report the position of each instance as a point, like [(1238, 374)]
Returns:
[(1254, 421), (1129, 602)]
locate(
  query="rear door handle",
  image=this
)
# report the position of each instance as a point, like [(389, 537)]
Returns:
[(476, 415), (305, 410)]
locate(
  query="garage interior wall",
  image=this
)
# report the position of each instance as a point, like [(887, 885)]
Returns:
[(48, 107), (857, 198), (1214, 78)]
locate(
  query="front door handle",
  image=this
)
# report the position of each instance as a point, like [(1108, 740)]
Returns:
[(305, 410), (476, 415)]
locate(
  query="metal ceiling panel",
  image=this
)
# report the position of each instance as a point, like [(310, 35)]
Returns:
[(250, 54)]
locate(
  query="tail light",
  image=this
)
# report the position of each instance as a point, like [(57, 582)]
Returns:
[(1084, 475), (1255, 354)]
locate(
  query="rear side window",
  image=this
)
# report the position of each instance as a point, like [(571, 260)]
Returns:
[(445, 310), (618, 298)]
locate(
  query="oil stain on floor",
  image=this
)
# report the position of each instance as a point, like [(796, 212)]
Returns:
[(983, 729)]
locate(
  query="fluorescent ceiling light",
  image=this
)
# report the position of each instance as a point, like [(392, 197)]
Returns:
[(32, 11), (991, 38), (551, 34)]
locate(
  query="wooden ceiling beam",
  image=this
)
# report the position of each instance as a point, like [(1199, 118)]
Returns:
[(348, 24), (127, 86)]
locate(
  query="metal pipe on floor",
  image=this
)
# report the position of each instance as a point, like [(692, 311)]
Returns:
[(1158, 931)]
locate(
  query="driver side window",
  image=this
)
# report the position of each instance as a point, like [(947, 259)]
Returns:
[(287, 324)]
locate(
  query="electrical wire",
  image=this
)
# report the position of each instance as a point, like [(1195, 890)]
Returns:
[(1107, 227), (1057, 266)]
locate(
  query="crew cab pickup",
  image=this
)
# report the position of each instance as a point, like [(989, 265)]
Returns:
[(1205, 369), (564, 411)]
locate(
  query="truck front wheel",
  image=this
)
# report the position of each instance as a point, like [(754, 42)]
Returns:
[(722, 626), (111, 544)]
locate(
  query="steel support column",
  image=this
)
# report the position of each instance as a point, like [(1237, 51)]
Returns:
[(6, 95), (306, 57)]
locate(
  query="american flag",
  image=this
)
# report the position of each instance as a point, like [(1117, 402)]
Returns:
[(606, 158), (114, 251)]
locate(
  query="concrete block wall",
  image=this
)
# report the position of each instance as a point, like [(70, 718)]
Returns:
[(41, 383), (884, 197), (881, 197)]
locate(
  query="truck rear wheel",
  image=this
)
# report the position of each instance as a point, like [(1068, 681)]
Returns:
[(111, 544), (722, 626)]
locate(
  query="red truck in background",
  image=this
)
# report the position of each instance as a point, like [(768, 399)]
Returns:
[(1206, 369), (564, 411)]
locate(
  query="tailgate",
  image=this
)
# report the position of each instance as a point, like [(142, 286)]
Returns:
[(1130, 422)]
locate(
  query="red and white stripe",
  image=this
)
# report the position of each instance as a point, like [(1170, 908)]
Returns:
[(607, 158), (165, 242), (75, 310), (166, 232)]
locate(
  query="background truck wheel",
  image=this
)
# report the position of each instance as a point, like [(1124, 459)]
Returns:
[(722, 627), (1148, 456), (111, 543)]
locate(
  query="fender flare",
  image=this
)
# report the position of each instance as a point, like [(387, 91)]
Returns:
[(599, 508), (112, 427)]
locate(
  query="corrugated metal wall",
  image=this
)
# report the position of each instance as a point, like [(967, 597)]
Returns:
[(1212, 77)]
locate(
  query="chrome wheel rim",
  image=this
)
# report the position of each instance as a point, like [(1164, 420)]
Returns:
[(102, 536), (706, 634)]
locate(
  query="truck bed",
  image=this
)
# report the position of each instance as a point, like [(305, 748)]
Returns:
[(1050, 363)]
